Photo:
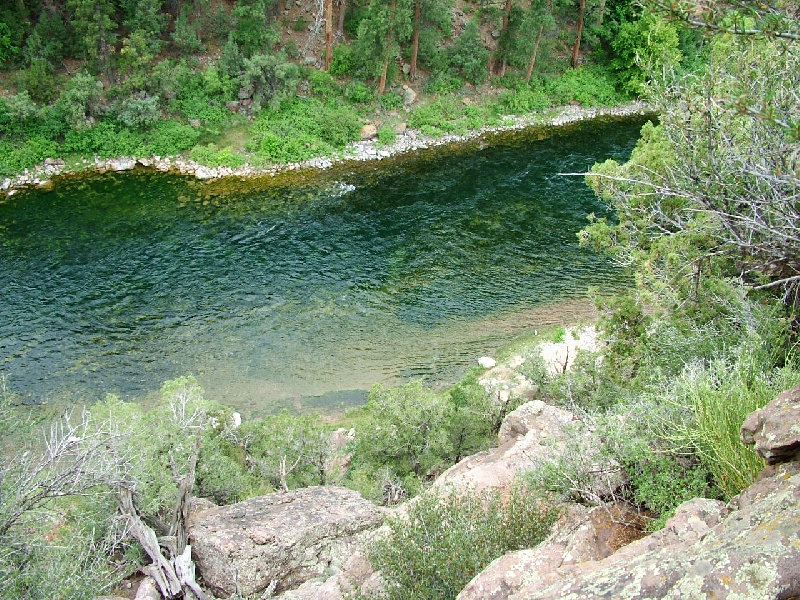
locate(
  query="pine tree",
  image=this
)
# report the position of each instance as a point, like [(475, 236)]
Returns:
[(95, 27)]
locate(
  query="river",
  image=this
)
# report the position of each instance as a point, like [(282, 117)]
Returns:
[(300, 291)]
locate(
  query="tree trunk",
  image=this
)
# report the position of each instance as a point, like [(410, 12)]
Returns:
[(415, 39), (328, 34), (506, 18), (601, 12), (578, 33), (532, 63), (342, 12), (385, 71)]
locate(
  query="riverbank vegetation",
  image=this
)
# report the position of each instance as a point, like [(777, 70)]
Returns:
[(706, 219), (234, 81)]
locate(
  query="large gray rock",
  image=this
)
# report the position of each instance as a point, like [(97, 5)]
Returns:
[(284, 538), (751, 553), (774, 431), (537, 434), (746, 550)]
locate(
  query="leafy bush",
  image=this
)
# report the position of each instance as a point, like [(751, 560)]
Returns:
[(270, 79), (468, 56), (358, 92), (448, 115), (392, 101), (167, 138), (20, 156), (386, 135), (590, 86), (80, 100), (138, 111), (303, 129), (446, 540), (341, 61), (322, 84), (523, 101), (38, 80), (212, 156)]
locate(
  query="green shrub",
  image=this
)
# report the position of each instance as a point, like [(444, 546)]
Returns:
[(322, 84), (20, 156), (446, 540), (38, 80), (138, 111), (342, 61), (386, 135), (468, 56), (392, 101), (523, 101), (590, 86), (303, 129), (358, 92), (167, 138), (443, 83), (212, 156)]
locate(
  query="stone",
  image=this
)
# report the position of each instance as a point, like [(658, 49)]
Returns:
[(774, 430), (282, 539), (580, 535), (409, 96), (487, 362), (122, 164), (148, 590), (543, 438), (703, 552), (400, 128), (368, 132), (535, 415), (204, 173)]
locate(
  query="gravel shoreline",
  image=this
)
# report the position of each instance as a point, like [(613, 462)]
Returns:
[(365, 150)]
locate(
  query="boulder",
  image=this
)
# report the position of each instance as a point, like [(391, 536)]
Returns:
[(369, 131), (541, 438), (409, 96), (746, 549), (278, 540), (702, 553), (580, 535), (774, 431)]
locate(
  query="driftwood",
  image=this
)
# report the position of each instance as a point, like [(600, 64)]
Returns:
[(173, 573)]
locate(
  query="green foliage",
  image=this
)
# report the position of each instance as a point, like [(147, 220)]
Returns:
[(138, 111), (251, 28), (95, 28), (167, 138), (270, 79), (448, 115), (341, 61), (80, 101), (38, 80), (523, 101), (48, 40), (406, 430), (33, 150), (386, 135), (185, 35), (357, 92), (591, 86), (467, 56), (623, 326), (641, 47), (287, 451), (322, 84), (147, 17), (212, 156), (447, 539), (8, 49), (304, 129)]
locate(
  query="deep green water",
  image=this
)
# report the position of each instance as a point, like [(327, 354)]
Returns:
[(412, 268)]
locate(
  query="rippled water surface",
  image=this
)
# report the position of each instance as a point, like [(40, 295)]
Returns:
[(284, 292)]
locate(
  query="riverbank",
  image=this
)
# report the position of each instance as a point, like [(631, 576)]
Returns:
[(408, 140)]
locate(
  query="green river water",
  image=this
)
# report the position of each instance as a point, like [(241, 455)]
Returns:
[(302, 290)]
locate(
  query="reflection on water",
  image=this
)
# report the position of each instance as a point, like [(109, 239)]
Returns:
[(272, 294)]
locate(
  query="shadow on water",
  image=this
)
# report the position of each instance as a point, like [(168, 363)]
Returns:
[(300, 290)]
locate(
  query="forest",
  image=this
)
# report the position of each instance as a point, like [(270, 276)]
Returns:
[(262, 81)]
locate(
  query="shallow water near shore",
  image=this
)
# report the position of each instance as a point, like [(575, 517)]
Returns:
[(300, 292)]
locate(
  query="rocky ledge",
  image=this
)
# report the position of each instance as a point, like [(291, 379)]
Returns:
[(408, 140)]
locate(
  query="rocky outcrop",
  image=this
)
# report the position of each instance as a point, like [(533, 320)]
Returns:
[(538, 435), (278, 541), (747, 549), (580, 535), (774, 431)]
